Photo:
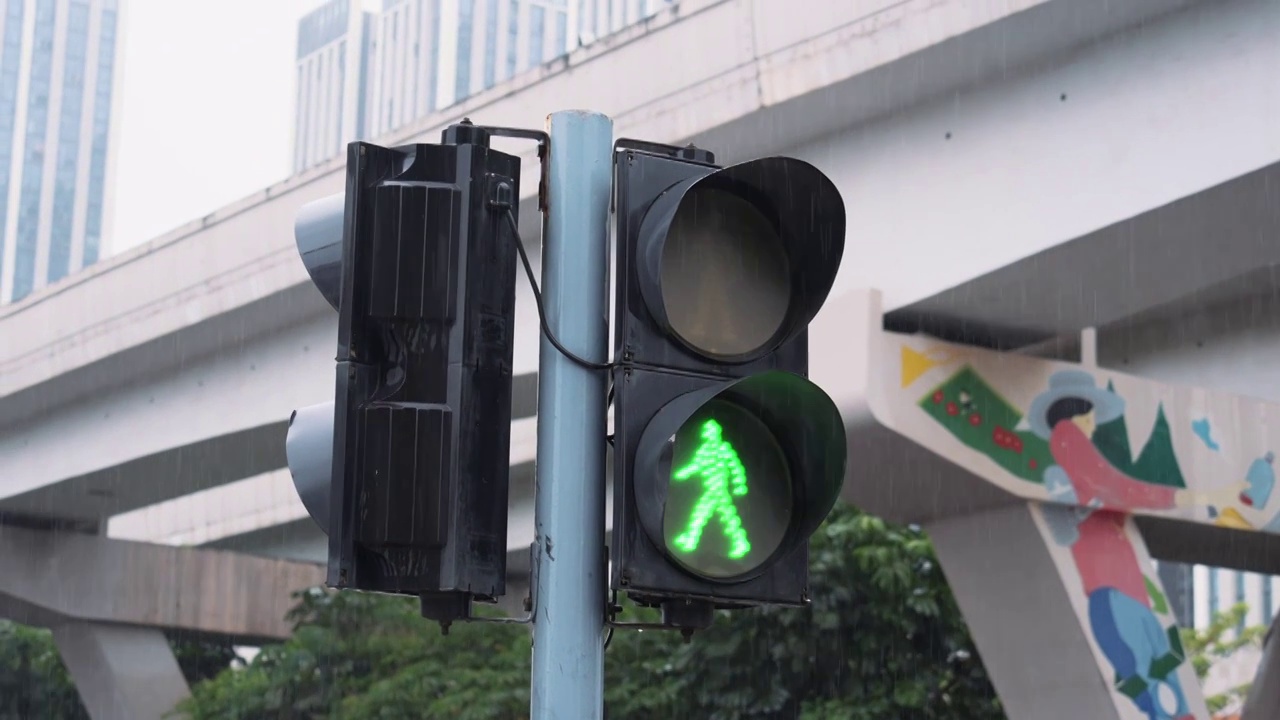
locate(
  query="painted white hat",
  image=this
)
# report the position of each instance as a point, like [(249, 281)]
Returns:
[(1107, 406)]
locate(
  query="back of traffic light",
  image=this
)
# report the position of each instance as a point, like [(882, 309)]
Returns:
[(407, 470), (726, 457)]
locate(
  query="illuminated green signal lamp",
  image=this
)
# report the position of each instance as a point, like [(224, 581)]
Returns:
[(727, 458), (736, 477)]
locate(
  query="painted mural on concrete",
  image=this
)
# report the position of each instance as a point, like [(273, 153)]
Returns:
[(1053, 432), (1135, 636), (1089, 448), (1073, 441)]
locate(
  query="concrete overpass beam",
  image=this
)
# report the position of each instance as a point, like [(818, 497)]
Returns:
[(107, 601), (1061, 640), (121, 673), (49, 578)]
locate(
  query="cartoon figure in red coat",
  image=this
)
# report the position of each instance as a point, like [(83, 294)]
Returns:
[(1120, 615)]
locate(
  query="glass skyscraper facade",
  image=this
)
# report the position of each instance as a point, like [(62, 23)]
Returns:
[(413, 57), (332, 61), (58, 83), (1218, 589)]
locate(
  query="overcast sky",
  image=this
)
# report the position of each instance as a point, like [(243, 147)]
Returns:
[(206, 112)]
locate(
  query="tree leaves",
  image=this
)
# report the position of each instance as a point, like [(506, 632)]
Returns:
[(34, 684), (882, 638), (1225, 634)]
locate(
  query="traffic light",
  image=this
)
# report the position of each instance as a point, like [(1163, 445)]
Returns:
[(407, 471), (726, 457)]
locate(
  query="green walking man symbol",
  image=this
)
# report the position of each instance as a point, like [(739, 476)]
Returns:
[(717, 463)]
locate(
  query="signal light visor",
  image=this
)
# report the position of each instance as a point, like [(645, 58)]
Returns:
[(736, 262)]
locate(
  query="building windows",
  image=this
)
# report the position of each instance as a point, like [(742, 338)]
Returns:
[(342, 93), (562, 32), (64, 190), (298, 128), (401, 60), (491, 44), (24, 265), (1239, 597), (513, 36), (434, 34), (10, 51), (101, 121), (395, 50), (537, 30), (321, 27), (1268, 602), (466, 22), (1213, 593)]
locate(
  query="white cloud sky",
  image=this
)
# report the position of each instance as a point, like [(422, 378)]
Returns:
[(207, 109)]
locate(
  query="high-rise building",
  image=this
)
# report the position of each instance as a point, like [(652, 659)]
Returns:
[(1179, 587), (499, 39), (59, 76), (403, 78), (599, 18), (429, 54), (333, 50), (1219, 589), (417, 56)]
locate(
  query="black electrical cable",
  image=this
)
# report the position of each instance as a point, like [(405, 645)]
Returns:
[(537, 299), (608, 400)]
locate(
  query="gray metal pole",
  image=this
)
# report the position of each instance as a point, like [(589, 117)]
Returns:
[(569, 597)]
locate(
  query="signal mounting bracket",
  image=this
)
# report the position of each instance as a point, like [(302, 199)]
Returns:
[(687, 616), (689, 152), (467, 131)]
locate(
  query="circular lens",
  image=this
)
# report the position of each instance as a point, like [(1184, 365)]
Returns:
[(729, 498), (726, 279)]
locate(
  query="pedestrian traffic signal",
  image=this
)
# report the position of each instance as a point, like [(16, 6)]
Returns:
[(407, 470), (726, 457)]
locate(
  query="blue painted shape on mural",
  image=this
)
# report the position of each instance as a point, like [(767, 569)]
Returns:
[(1204, 432), (1138, 648), (1261, 477)]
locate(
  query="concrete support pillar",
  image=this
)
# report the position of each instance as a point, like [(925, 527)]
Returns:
[(105, 601), (1263, 702), (121, 672), (1052, 649)]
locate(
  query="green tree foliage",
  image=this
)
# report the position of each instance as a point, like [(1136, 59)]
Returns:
[(1223, 637), (882, 638), (200, 657), (34, 684)]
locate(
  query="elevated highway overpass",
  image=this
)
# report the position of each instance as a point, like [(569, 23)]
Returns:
[(1026, 163), (1016, 174)]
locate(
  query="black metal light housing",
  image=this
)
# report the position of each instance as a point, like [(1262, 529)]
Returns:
[(727, 458), (733, 263)]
